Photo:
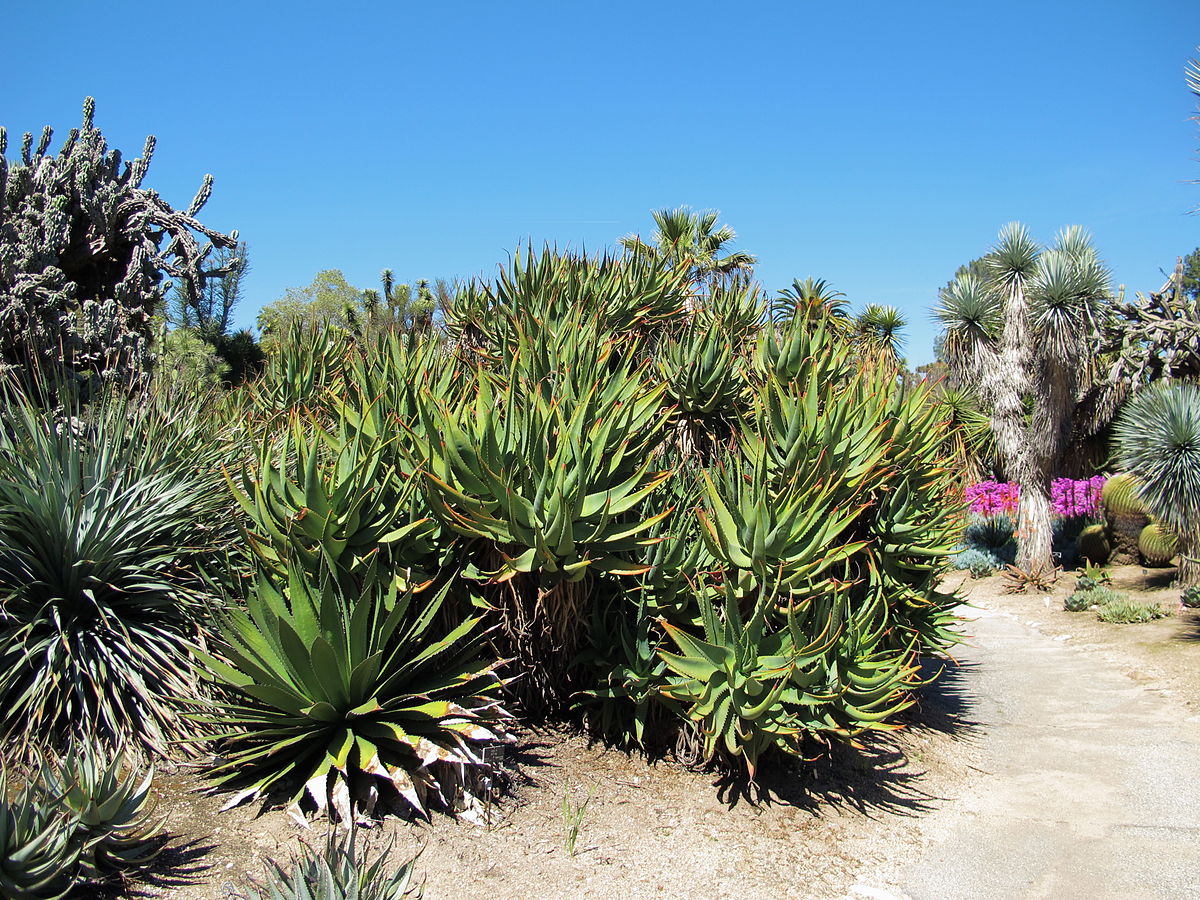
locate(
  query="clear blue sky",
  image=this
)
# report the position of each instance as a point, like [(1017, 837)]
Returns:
[(877, 145)]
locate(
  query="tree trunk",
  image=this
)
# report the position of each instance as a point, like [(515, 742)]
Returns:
[(1189, 558), (1035, 529)]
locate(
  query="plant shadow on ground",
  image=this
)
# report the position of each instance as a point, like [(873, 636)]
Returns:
[(1189, 633), (177, 866), (880, 773)]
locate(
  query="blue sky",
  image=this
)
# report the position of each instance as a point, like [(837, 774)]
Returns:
[(876, 145)]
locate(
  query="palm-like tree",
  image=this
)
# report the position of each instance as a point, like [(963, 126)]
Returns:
[(1157, 440), (695, 241), (1022, 335), (813, 298), (879, 330)]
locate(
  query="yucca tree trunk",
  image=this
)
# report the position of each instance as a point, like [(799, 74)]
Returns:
[(1035, 529)]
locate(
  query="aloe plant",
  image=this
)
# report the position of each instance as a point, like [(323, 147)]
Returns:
[(112, 829), (331, 499), (37, 850), (337, 694), (337, 871)]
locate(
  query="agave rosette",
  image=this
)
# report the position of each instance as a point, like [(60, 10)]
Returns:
[(338, 692)]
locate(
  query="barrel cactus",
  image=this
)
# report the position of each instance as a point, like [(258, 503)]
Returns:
[(1157, 544), (1125, 517), (1093, 545)]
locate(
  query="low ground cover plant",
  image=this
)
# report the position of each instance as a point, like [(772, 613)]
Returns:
[(1124, 611)]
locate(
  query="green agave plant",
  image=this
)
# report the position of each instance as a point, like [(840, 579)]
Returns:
[(337, 871), (303, 368), (703, 384), (337, 691), (554, 484), (37, 852), (626, 295), (107, 520), (107, 808)]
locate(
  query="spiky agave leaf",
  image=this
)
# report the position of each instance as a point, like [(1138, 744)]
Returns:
[(108, 807), (336, 694)]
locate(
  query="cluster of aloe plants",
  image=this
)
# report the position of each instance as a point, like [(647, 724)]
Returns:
[(601, 490)]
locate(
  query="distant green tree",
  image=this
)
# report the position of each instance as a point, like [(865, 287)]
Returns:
[(1191, 274), (693, 240), (329, 301), (209, 311)]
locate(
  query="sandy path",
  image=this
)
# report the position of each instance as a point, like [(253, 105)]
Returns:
[(1089, 785)]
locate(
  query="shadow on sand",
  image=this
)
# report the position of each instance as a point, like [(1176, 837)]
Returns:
[(877, 773)]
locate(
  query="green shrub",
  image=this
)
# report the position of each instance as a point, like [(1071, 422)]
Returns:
[(1123, 611), (336, 871)]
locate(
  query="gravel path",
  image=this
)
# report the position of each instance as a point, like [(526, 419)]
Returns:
[(1088, 783)]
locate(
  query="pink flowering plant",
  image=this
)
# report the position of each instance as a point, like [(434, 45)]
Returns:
[(990, 498), (1074, 497)]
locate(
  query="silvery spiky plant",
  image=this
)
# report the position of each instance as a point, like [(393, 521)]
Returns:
[(1157, 438), (84, 249)]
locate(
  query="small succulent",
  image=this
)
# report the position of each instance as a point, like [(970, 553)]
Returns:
[(1190, 597), (112, 829), (1079, 601), (1085, 583), (37, 853), (336, 872), (1040, 578)]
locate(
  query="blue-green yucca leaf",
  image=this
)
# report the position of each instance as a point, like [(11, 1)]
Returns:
[(1157, 440), (105, 527), (1013, 260)]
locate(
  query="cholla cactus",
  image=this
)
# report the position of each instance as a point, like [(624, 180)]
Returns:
[(82, 254)]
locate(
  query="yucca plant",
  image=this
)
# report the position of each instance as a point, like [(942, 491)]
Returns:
[(1157, 440), (337, 689), (107, 520), (37, 852), (108, 809), (336, 871)]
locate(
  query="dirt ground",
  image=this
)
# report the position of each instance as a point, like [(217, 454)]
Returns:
[(1164, 653), (656, 830)]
